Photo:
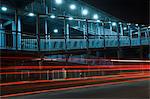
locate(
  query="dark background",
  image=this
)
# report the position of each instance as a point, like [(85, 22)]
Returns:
[(134, 11)]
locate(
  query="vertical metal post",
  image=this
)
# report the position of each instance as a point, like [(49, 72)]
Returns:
[(66, 31), (84, 31), (121, 29), (98, 30), (19, 32), (47, 75), (111, 28), (118, 34), (141, 47), (46, 25), (104, 35), (130, 35), (28, 75), (38, 32), (16, 21), (2, 36), (87, 37)]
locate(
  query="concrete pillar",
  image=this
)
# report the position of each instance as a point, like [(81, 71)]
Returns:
[(16, 33)]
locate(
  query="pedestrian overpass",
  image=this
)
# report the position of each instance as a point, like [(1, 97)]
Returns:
[(41, 26)]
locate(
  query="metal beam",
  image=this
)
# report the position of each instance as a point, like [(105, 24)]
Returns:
[(7, 23)]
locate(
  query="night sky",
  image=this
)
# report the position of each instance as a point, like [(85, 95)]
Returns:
[(134, 11)]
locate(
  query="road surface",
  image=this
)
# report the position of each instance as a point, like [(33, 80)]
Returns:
[(134, 90)]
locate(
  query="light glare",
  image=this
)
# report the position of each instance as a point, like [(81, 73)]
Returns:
[(125, 28), (55, 30), (53, 16), (3, 8), (114, 24), (70, 18), (84, 11), (72, 6), (95, 16), (58, 1), (31, 14)]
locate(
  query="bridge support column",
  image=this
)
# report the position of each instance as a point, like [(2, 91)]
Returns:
[(2, 36), (67, 32), (111, 28), (79, 25), (121, 29), (16, 32), (38, 32), (98, 30), (47, 44), (139, 34), (118, 34), (139, 38), (84, 31), (104, 35), (130, 35)]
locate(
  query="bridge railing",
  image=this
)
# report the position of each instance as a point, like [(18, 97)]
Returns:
[(28, 41)]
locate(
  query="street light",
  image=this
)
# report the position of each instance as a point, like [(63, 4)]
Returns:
[(70, 18), (53, 16), (128, 23), (125, 28), (114, 24), (55, 30), (72, 6), (98, 21), (31, 14), (84, 12), (58, 1), (95, 16), (4, 8), (136, 25)]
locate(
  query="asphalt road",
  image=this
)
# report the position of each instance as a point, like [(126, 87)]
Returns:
[(134, 90)]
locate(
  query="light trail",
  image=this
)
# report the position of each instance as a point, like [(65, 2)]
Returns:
[(131, 61), (76, 67), (91, 59), (134, 74), (71, 71)]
